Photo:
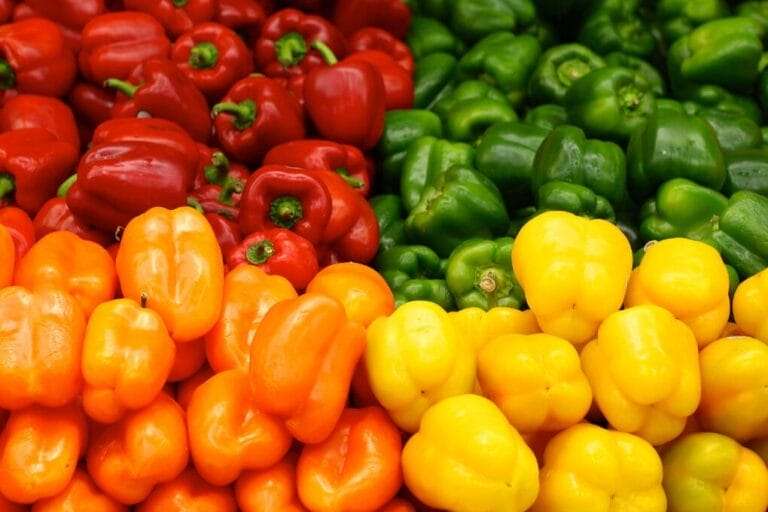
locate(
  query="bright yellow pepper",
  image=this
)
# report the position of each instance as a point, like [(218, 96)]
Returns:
[(644, 372), (688, 279), (734, 380), (591, 469), (750, 306), (415, 358), (466, 457), (480, 327), (708, 472), (574, 272), (536, 380)]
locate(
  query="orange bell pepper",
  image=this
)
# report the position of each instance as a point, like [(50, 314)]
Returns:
[(249, 294), (7, 257), (127, 355), (171, 260), (362, 291), (228, 434), (270, 490), (356, 468), (64, 260), (189, 493), (20, 227), (80, 494), (147, 447), (302, 364), (39, 449), (41, 336), (398, 505), (9, 506), (187, 387), (190, 357)]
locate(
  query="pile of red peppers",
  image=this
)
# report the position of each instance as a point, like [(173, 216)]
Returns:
[(258, 113)]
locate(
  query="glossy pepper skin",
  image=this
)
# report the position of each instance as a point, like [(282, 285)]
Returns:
[(394, 16), (177, 16), (472, 107), (547, 116), (558, 68), (467, 455), (242, 14), (20, 228), (389, 213), (570, 197), (79, 492), (213, 57), (33, 111), (472, 19), (432, 78), (617, 28), (415, 272), (746, 169), (372, 38), (740, 235), (401, 128), (398, 84), (749, 306), (270, 489), (92, 105), (256, 115), (734, 132), (480, 326), (680, 17), (588, 292), (642, 68), (7, 257), (428, 35), (55, 215), (189, 492)]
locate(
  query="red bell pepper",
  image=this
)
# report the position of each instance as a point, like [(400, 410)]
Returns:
[(163, 92), (115, 43), (227, 231), (398, 83), (6, 10), (322, 155), (394, 16), (278, 252), (346, 101), (32, 111), (372, 38), (246, 15), (36, 58), (92, 104), (177, 16), (256, 115), (70, 15), (317, 6), (218, 184), (280, 196), (132, 165), (20, 227), (213, 56)]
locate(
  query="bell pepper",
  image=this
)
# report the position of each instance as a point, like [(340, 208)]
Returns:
[(190, 358), (590, 468), (709, 471), (55, 215), (125, 465), (588, 291), (372, 38), (256, 115), (32, 111), (389, 213), (229, 433), (189, 492), (673, 145), (70, 13), (734, 132), (558, 68), (177, 16), (92, 105), (39, 451), (467, 455), (415, 272), (213, 57), (8, 257), (741, 235), (716, 97), (260, 491), (680, 17), (746, 169), (218, 184), (278, 252), (302, 366), (536, 380), (475, 19), (480, 326), (415, 358), (245, 15), (227, 231), (346, 100), (471, 108), (360, 241), (642, 69), (43, 340), (401, 128), (398, 84), (394, 16), (79, 492), (358, 463), (563, 196), (732, 387), (547, 116), (619, 28), (504, 60), (184, 283), (21, 230), (749, 306), (432, 78)]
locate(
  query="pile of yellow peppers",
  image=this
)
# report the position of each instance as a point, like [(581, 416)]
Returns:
[(619, 390)]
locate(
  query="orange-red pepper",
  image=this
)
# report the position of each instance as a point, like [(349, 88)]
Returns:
[(190, 357), (5, 504), (273, 489), (21, 229), (189, 493), (81, 494), (7, 257)]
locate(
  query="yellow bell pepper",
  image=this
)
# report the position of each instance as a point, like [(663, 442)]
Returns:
[(574, 272), (536, 380), (688, 279), (734, 380), (415, 358), (466, 457), (708, 472), (591, 469), (644, 372), (480, 327), (750, 306)]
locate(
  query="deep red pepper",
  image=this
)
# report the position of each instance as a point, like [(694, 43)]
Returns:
[(213, 56), (71, 35), (361, 242), (398, 83), (218, 184), (35, 58), (279, 252), (247, 15), (314, 154), (6, 10), (372, 38), (157, 88), (177, 16), (346, 101), (55, 215), (394, 16), (93, 105), (133, 165), (280, 196), (20, 227), (344, 206), (33, 111), (227, 231), (256, 115), (71, 13)]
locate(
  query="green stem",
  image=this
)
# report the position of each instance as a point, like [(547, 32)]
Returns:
[(325, 52), (290, 49), (244, 112), (7, 76), (286, 211), (230, 187), (122, 86), (194, 203), (7, 184), (203, 55), (259, 253), (180, 3), (64, 187), (351, 180), (217, 169)]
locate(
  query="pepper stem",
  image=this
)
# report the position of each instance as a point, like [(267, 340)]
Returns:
[(259, 253), (7, 75), (180, 3), (290, 49), (203, 55), (7, 184), (194, 203), (63, 189), (351, 180), (230, 187), (122, 86), (325, 52), (488, 282), (217, 170), (286, 211), (244, 112)]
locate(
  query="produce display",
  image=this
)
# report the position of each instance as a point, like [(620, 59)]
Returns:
[(383, 255)]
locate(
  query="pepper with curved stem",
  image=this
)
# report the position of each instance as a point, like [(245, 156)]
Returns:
[(203, 55), (244, 112)]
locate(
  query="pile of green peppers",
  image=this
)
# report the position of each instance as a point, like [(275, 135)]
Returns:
[(648, 114)]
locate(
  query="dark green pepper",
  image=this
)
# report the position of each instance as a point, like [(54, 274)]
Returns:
[(427, 36), (470, 108), (415, 272), (747, 170), (543, 32), (433, 76), (680, 17), (438, 9), (475, 19), (479, 274), (391, 217), (734, 132), (574, 198), (459, 204), (548, 116), (649, 73), (716, 97), (401, 128), (742, 233), (558, 68), (617, 29), (558, 9)]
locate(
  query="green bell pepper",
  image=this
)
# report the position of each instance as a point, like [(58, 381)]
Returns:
[(438, 9), (475, 19), (680, 17), (742, 233), (734, 132), (390, 216), (544, 33), (645, 70), (427, 159), (764, 130), (470, 108), (459, 204), (427, 36), (433, 76), (610, 103), (757, 12), (747, 169), (504, 60), (674, 145), (548, 116), (558, 68), (401, 128), (574, 198), (479, 274), (617, 29), (716, 97), (415, 272)]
